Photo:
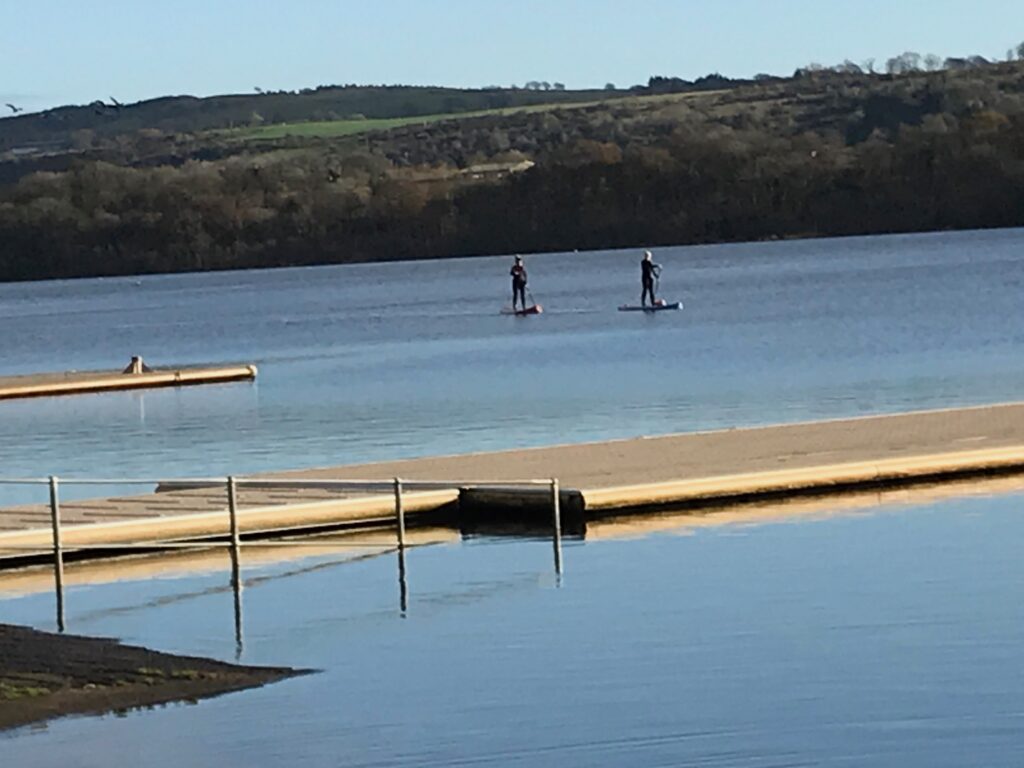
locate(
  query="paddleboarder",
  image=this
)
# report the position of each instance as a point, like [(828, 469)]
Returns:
[(518, 273), (648, 272)]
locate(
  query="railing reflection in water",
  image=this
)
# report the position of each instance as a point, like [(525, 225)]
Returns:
[(235, 540)]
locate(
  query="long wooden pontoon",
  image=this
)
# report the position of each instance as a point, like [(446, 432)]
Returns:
[(596, 480), (81, 382)]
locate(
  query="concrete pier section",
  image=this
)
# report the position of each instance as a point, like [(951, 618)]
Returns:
[(597, 480)]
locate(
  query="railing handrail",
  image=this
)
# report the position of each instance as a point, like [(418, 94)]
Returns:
[(265, 481)]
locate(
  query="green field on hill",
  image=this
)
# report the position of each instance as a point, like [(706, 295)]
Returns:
[(336, 128), (350, 127)]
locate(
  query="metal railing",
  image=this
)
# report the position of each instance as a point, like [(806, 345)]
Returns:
[(396, 487)]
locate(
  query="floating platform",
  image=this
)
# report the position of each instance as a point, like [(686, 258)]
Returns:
[(707, 470), (81, 382)]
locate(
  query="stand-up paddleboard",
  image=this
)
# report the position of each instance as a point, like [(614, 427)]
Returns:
[(651, 307), (533, 309)]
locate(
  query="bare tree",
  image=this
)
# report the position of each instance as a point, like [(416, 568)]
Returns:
[(911, 61), (932, 63), (868, 65), (1020, 51), (904, 63)]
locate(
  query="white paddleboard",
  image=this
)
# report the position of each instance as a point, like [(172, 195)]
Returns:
[(651, 307)]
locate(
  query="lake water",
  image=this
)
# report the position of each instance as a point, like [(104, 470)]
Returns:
[(887, 637), (369, 362), (891, 637)]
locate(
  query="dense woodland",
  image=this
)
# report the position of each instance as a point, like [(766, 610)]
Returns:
[(828, 152)]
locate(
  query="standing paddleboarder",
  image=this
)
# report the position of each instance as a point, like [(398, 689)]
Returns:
[(518, 273), (648, 272)]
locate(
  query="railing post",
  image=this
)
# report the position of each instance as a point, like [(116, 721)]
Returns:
[(556, 510), (236, 539), (58, 551), (236, 564), (399, 514), (403, 589)]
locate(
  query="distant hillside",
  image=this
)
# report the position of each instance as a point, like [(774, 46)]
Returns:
[(836, 151), (68, 127)]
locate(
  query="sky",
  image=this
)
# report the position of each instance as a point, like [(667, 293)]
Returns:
[(55, 52)]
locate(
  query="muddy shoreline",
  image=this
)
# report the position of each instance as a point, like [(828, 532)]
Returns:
[(45, 675)]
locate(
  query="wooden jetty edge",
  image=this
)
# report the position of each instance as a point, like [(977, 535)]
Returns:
[(81, 382), (596, 479)]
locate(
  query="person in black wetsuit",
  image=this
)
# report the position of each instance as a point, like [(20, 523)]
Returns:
[(648, 272), (518, 273)]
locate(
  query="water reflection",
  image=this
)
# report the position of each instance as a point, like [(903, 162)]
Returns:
[(403, 586), (236, 593), (866, 637)]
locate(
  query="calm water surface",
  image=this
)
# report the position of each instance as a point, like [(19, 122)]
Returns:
[(892, 638), (380, 361)]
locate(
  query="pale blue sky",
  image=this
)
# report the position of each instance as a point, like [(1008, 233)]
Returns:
[(74, 51)]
